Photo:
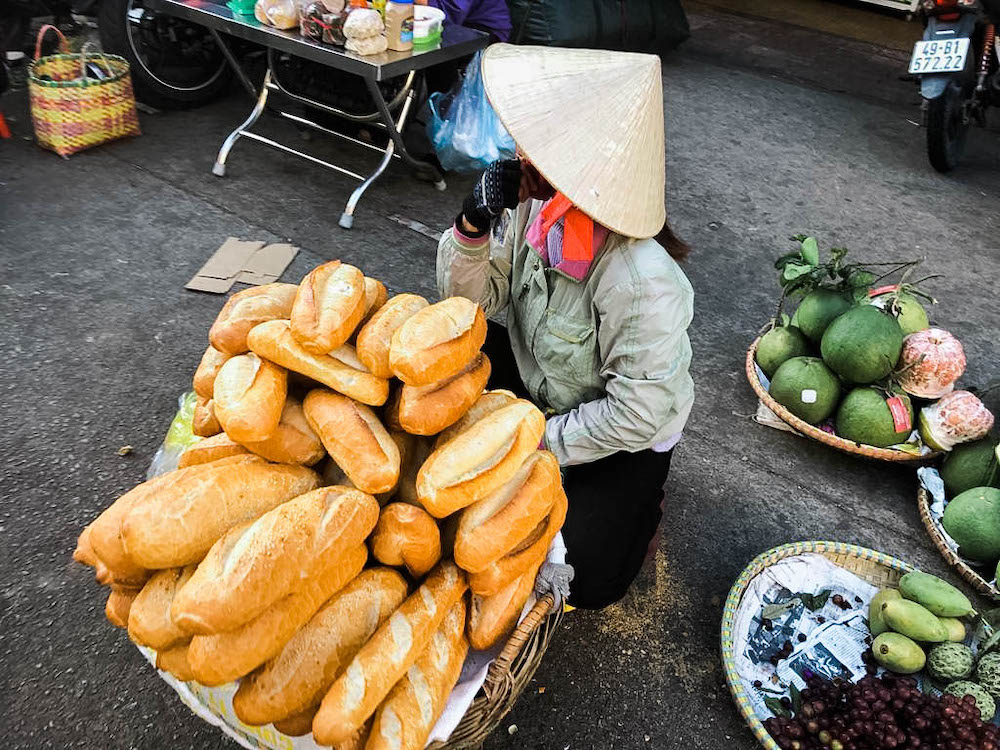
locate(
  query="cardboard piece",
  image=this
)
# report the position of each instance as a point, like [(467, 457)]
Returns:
[(271, 260), (243, 261)]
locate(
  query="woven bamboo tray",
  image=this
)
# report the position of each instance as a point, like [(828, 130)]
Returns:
[(508, 675), (809, 431), (876, 568), (968, 573)]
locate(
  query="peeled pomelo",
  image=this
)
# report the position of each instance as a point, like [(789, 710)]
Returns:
[(778, 345), (909, 313), (807, 388), (971, 465), (956, 417), (864, 417), (930, 363), (817, 310), (862, 345)]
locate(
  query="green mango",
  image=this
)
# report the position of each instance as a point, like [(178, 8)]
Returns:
[(938, 596), (914, 621), (898, 654), (955, 628), (876, 624)]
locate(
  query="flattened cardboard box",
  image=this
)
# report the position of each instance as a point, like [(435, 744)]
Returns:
[(243, 261)]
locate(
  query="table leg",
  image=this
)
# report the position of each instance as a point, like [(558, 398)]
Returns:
[(235, 64), (219, 168)]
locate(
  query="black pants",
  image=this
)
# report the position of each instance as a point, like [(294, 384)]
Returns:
[(615, 503)]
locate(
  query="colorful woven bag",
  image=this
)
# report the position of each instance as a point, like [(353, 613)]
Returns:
[(72, 111)]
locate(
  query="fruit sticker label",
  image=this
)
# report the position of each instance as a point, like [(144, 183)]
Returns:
[(900, 414), (808, 396)]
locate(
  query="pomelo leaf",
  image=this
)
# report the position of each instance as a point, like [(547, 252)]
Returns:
[(810, 251), (794, 270)]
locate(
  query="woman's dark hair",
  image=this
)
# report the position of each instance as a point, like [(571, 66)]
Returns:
[(677, 248)]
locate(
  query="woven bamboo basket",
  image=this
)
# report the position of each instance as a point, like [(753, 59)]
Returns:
[(507, 678), (968, 573), (876, 568), (807, 430)]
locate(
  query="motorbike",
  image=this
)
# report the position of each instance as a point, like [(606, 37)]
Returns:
[(956, 64)]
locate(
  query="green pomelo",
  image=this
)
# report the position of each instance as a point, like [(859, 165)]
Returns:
[(864, 417), (779, 345), (817, 310), (807, 388), (972, 519), (912, 316), (971, 465), (862, 345)]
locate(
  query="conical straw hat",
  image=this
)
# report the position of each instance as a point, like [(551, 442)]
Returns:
[(591, 121)]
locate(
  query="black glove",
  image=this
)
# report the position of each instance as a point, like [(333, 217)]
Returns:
[(495, 190)]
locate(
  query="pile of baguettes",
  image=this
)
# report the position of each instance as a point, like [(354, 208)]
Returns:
[(244, 564)]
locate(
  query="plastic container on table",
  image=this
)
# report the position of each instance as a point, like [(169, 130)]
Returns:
[(428, 23)]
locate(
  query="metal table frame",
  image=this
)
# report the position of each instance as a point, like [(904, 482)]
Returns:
[(457, 42)]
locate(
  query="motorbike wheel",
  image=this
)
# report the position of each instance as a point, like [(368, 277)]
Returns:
[(946, 130), (175, 64)]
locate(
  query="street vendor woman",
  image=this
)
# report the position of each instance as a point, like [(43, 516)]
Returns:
[(571, 241)]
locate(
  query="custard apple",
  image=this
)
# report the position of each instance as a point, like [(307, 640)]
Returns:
[(988, 673), (948, 662), (984, 701)]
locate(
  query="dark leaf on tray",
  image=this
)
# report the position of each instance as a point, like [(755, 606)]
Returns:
[(776, 708), (796, 697), (774, 611)]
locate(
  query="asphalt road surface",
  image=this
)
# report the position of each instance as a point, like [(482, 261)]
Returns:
[(771, 131)]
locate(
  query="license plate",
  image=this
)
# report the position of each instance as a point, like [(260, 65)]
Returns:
[(939, 56)]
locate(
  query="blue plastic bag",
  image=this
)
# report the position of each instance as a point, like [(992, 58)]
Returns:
[(466, 133)]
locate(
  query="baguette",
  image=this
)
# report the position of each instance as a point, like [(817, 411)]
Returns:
[(426, 410), (174, 660), (412, 459), (376, 296), (385, 658), (487, 403), (375, 337), (254, 565), (224, 657), (493, 527), (530, 553), (204, 423), (406, 535), (211, 449), (297, 678), (479, 460), (328, 306), (294, 442), (249, 397), (437, 341), (340, 370), (355, 439), (178, 525), (405, 719), (494, 617), (247, 309), (84, 552), (119, 603), (204, 377), (149, 621)]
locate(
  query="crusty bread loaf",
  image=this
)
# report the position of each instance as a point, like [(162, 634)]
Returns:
[(437, 341), (494, 617), (204, 423), (294, 442), (487, 403), (149, 620), (177, 525), (211, 449), (340, 370), (358, 740), (328, 306), (84, 552), (174, 660), (385, 658), (494, 526), (298, 724), (297, 678), (412, 459), (405, 719), (477, 461), (254, 565), (247, 309), (428, 409), (204, 377), (249, 397), (224, 657), (528, 554), (407, 535), (376, 296), (375, 337), (119, 603), (355, 438)]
